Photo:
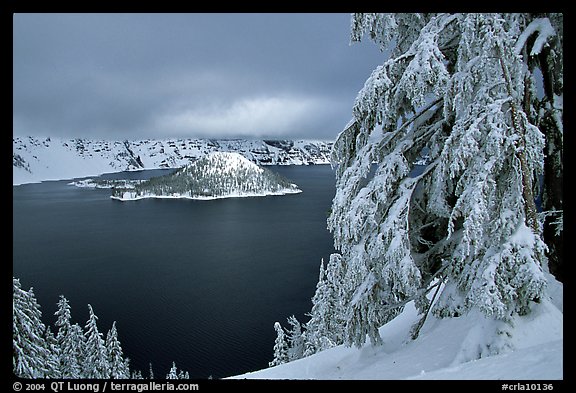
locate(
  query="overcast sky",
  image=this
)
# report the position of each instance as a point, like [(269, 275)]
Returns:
[(133, 76)]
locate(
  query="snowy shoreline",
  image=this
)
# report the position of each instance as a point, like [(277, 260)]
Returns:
[(208, 198)]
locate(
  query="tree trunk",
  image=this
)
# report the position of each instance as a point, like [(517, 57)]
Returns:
[(530, 211), (552, 197)]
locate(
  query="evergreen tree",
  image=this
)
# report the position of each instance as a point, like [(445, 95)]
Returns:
[(75, 345), (337, 296), (127, 367), (280, 347), (53, 360), (151, 372), (457, 90), (70, 340), (325, 328), (173, 373), (295, 339), (96, 363), (63, 320), (116, 363), (315, 337), (30, 352)]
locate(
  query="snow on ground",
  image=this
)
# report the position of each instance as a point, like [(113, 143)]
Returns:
[(38, 159), (446, 349), (49, 160)]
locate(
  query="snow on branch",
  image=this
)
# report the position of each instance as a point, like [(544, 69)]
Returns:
[(453, 89), (545, 31)]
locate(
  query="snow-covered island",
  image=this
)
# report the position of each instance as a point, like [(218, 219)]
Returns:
[(214, 176)]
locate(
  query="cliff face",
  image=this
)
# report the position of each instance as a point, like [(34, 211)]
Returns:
[(37, 159)]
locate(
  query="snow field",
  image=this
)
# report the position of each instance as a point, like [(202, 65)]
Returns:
[(446, 349)]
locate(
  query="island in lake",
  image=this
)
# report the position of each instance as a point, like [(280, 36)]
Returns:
[(216, 175)]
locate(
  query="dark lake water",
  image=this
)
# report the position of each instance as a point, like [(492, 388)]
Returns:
[(200, 283)]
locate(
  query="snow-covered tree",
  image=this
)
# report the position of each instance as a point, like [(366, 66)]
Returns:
[(457, 91), (117, 367), (295, 339), (280, 347), (151, 372), (326, 324), (173, 373), (53, 360), (30, 352), (74, 346), (64, 315), (136, 374), (70, 340), (96, 363), (72, 353), (316, 326)]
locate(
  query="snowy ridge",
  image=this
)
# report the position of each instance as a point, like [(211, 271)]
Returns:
[(214, 176), (37, 159)]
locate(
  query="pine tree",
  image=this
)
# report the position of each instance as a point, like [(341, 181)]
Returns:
[(325, 328), (30, 353), (151, 372), (53, 360), (64, 315), (173, 373), (70, 340), (96, 364), (280, 347), (316, 325), (75, 345), (337, 297), (116, 363), (295, 339), (457, 90)]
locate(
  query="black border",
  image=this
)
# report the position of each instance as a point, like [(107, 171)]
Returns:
[(9, 7)]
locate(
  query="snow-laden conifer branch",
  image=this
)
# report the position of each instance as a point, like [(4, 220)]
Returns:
[(545, 31)]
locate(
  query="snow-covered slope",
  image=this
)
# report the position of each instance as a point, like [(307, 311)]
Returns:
[(37, 159), (216, 175), (446, 349)]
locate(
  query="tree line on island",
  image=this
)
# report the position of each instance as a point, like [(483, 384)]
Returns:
[(480, 96), (73, 353)]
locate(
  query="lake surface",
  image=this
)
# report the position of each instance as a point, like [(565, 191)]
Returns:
[(200, 283)]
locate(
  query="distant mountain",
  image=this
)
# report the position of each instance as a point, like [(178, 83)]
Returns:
[(216, 175), (36, 159)]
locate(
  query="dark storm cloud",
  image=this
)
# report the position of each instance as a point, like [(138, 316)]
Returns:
[(127, 76)]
